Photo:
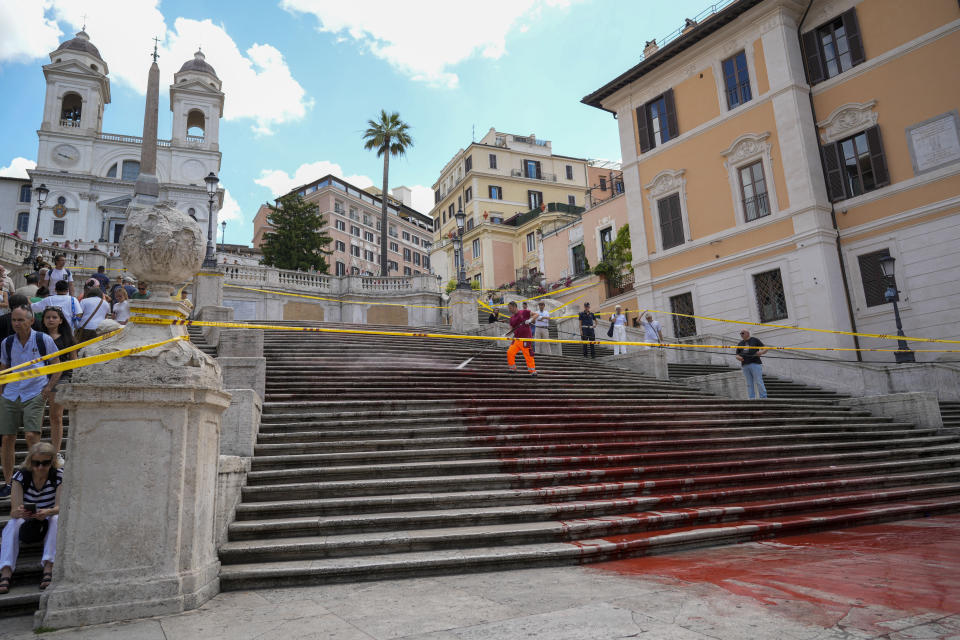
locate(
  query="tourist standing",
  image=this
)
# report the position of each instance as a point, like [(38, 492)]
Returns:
[(60, 273), (70, 305), (588, 325), (121, 306), (22, 401), (652, 331), (102, 279), (520, 321), (619, 321), (542, 329), (56, 325), (95, 310), (749, 351)]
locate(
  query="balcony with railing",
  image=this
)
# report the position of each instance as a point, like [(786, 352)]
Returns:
[(545, 177), (116, 137), (756, 207), (68, 122), (619, 285)]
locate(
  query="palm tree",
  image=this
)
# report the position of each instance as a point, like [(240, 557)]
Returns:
[(390, 138)]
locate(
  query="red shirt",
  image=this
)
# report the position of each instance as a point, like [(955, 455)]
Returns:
[(517, 323)]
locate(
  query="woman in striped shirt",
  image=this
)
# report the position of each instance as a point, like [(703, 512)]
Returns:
[(34, 505)]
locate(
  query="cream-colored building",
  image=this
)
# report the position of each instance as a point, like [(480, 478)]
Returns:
[(774, 151), (511, 188)]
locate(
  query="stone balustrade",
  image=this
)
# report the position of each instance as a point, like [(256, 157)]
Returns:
[(303, 281)]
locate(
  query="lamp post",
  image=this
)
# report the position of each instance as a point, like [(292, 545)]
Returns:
[(42, 192), (211, 258), (461, 268), (903, 354), (223, 233)]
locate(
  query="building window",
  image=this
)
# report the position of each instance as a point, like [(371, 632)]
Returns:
[(340, 225), (657, 121), (683, 326), (618, 186), (416, 240), (367, 220), (426, 262), (493, 161), (394, 247), (468, 164), (341, 246), (476, 248), (338, 206), (341, 269), (606, 239), (531, 242), (24, 193), (368, 255), (450, 211), (23, 221), (355, 250), (58, 227), (874, 282), (531, 169), (771, 300), (496, 193), (736, 79), (833, 48), (354, 215), (603, 184), (580, 265), (569, 172), (469, 224), (392, 266), (572, 201), (534, 199), (392, 231), (478, 279), (406, 254), (407, 271), (468, 194), (406, 236), (416, 259), (855, 165), (753, 191), (368, 236), (671, 221), (436, 197), (354, 231)]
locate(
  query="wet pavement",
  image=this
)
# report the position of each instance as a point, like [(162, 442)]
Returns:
[(898, 580)]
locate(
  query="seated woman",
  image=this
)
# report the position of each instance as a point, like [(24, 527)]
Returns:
[(34, 507)]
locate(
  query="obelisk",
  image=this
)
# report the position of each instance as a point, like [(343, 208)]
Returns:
[(147, 188)]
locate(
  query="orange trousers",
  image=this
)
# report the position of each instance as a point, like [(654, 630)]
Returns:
[(521, 346)]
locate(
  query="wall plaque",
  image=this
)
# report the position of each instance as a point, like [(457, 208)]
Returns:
[(935, 142)]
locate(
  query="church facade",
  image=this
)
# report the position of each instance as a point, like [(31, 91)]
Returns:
[(91, 174)]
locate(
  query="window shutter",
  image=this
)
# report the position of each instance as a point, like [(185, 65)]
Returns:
[(671, 221), (854, 41), (811, 57), (672, 127), (877, 159), (831, 159), (642, 129)]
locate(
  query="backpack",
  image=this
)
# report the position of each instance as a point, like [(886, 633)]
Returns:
[(8, 346)]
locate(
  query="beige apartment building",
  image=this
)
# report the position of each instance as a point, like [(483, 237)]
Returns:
[(775, 151), (352, 215), (511, 189)]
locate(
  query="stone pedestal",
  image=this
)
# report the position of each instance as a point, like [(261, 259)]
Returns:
[(729, 385), (231, 476), (918, 407), (648, 362), (208, 289), (214, 314), (463, 310), (241, 423)]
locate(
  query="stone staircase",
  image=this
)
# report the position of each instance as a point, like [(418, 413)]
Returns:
[(950, 411), (777, 388), (377, 458), (196, 337)]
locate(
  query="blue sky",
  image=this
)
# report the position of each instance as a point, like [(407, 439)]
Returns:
[(301, 78)]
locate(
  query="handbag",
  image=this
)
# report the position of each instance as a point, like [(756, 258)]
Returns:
[(610, 330), (79, 332)]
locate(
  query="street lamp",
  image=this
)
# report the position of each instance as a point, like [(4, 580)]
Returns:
[(42, 192), (903, 354), (223, 233), (211, 258), (461, 270)]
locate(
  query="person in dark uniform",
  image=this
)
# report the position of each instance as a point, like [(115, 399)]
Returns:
[(588, 325), (749, 351)]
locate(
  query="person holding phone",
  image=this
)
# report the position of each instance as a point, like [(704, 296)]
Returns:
[(34, 509)]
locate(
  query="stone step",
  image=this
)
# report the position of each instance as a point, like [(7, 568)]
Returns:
[(465, 537), (423, 563), (465, 498), (299, 488), (300, 455), (474, 515), (308, 471)]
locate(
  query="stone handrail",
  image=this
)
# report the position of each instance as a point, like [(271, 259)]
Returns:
[(307, 282)]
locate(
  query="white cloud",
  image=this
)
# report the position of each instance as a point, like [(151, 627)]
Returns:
[(17, 168), (417, 46), (280, 182), (257, 82), (25, 33), (421, 198), (231, 208)]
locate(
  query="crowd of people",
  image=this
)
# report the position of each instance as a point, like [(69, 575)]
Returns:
[(53, 311)]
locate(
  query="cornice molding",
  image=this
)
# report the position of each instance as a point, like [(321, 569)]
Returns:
[(848, 119)]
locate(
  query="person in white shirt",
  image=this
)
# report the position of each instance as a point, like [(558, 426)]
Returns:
[(60, 273), (653, 332), (121, 306), (542, 329), (95, 310), (619, 321), (67, 303)]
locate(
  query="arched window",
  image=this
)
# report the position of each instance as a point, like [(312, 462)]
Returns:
[(23, 221), (130, 170), (72, 109), (112, 171), (196, 124)]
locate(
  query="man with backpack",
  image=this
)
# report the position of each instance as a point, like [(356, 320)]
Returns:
[(68, 304), (60, 273), (22, 401)]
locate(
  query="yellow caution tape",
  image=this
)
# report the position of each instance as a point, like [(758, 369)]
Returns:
[(300, 295), (158, 312), (82, 362), (57, 354)]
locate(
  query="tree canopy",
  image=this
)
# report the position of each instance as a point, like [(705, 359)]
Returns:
[(298, 239), (389, 136)]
